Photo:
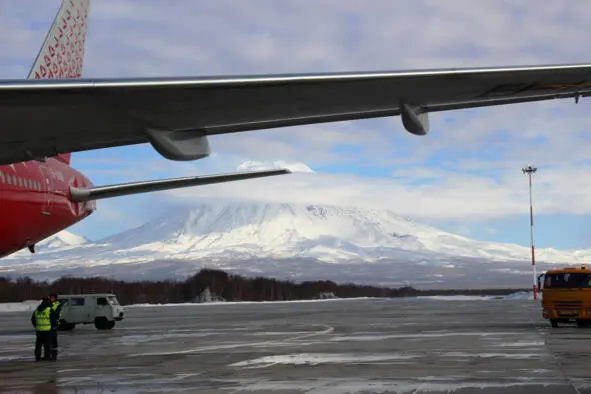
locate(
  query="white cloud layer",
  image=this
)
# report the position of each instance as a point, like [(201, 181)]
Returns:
[(276, 165), (451, 196)]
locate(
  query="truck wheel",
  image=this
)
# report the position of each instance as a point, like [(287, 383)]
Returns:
[(554, 323)]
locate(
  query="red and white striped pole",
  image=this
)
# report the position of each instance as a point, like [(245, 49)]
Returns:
[(529, 170)]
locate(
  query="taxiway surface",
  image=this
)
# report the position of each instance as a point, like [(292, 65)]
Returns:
[(398, 346)]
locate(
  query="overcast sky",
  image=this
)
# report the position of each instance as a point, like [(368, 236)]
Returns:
[(465, 176)]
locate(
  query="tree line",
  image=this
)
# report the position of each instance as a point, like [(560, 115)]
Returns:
[(222, 284)]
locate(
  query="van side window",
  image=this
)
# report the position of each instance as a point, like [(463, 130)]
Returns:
[(77, 301), (101, 301)]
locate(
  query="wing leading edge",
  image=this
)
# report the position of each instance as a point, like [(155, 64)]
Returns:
[(46, 117)]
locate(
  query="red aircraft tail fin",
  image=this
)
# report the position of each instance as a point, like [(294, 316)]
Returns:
[(62, 53)]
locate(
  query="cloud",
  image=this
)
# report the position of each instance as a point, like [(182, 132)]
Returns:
[(261, 165), (451, 195), (296, 36)]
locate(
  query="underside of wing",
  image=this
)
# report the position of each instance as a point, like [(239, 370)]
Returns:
[(43, 118)]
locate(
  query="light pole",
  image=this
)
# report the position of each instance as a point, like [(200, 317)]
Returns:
[(529, 170)]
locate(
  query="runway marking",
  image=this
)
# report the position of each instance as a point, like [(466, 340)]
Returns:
[(327, 330)]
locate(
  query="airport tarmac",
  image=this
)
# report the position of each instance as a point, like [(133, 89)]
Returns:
[(340, 346)]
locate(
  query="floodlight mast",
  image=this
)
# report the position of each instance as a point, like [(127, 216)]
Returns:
[(529, 170)]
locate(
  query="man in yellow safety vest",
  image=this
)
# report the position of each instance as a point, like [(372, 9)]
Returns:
[(43, 319), (56, 308)]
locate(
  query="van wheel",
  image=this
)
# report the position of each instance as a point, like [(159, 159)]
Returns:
[(102, 323), (554, 323), (65, 326)]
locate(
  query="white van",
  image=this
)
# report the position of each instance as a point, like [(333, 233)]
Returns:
[(101, 309)]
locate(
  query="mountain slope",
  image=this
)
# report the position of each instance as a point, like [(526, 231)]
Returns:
[(60, 241), (287, 240), (328, 233)]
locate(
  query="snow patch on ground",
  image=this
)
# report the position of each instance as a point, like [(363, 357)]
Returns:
[(434, 334), (459, 298), (320, 358), (353, 386), (521, 295), (516, 356), (30, 305), (535, 344), (245, 302), (25, 306)]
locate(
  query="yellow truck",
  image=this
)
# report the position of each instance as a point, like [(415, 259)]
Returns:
[(566, 295)]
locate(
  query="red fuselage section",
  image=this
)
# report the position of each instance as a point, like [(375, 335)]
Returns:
[(35, 202)]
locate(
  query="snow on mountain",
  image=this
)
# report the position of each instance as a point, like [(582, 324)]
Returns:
[(295, 241), (61, 240)]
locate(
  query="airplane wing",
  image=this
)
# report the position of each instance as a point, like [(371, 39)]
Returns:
[(41, 118), (96, 193)]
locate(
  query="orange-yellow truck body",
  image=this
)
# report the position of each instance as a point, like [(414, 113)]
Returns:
[(566, 295)]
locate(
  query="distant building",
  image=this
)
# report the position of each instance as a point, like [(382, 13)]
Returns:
[(326, 295)]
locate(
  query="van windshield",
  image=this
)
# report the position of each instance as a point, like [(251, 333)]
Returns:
[(113, 300), (567, 281)]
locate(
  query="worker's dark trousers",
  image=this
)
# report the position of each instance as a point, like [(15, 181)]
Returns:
[(43, 339), (53, 344)]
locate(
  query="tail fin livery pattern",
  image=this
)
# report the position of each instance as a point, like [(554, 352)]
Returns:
[(62, 53)]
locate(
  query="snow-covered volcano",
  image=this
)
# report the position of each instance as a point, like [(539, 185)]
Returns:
[(255, 230), (286, 240), (62, 240)]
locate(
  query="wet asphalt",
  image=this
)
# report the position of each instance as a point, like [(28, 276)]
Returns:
[(342, 346)]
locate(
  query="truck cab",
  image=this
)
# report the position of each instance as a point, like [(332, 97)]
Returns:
[(566, 295), (102, 310)]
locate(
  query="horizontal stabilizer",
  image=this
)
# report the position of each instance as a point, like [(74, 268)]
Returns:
[(124, 189)]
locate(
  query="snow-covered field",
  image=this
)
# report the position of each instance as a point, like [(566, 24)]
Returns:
[(19, 306), (32, 304), (514, 296), (522, 295), (248, 302)]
